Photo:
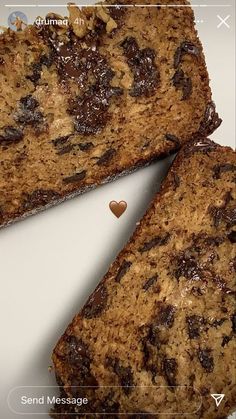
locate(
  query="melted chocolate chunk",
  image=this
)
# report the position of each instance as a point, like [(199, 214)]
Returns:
[(39, 198), (170, 370), (145, 71), (124, 374), (123, 270), (117, 12), (106, 157), (211, 120), (173, 139), (188, 267), (11, 135), (185, 48), (36, 72), (157, 241), (218, 169), (30, 118), (232, 236), (76, 355), (150, 282), (206, 360), (165, 315), (222, 214), (77, 177), (96, 303), (76, 352), (195, 324), (180, 81), (91, 109), (28, 114), (2, 61), (29, 103)]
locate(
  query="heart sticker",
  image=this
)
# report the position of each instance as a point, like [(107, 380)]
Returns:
[(118, 208)]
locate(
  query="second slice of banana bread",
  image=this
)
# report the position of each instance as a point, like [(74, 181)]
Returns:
[(158, 333)]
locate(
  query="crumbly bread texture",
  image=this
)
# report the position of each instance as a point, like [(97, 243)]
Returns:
[(85, 102), (164, 314)]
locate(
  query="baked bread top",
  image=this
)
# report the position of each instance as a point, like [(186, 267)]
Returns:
[(164, 315), (87, 101)]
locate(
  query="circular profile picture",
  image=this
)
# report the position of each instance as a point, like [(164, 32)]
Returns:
[(17, 21)]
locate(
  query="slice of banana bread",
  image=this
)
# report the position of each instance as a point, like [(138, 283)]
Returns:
[(164, 314), (90, 98)]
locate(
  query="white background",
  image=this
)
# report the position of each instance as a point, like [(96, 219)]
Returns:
[(51, 262)]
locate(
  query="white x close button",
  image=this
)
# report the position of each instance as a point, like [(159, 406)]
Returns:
[(223, 21)]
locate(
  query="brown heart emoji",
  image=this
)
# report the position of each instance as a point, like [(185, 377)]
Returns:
[(118, 208)]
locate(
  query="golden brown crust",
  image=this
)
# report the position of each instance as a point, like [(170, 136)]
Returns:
[(164, 314), (66, 127)]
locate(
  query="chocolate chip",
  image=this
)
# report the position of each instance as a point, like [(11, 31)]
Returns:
[(222, 214), (232, 236), (28, 114), (67, 149), (117, 12), (185, 48), (77, 177), (76, 352), (123, 270), (39, 198), (188, 267), (211, 120), (170, 369), (180, 81), (150, 282), (173, 139), (218, 169), (157, 241), (11, 135), (30, 118), (145, 71), (194, 324), (106, 157), (36, 72), (29, 103), (60, 140), (85, 146), (2, 61), (96, 303), (226, 340), (124, 374), (165, 315), (206, 360)]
